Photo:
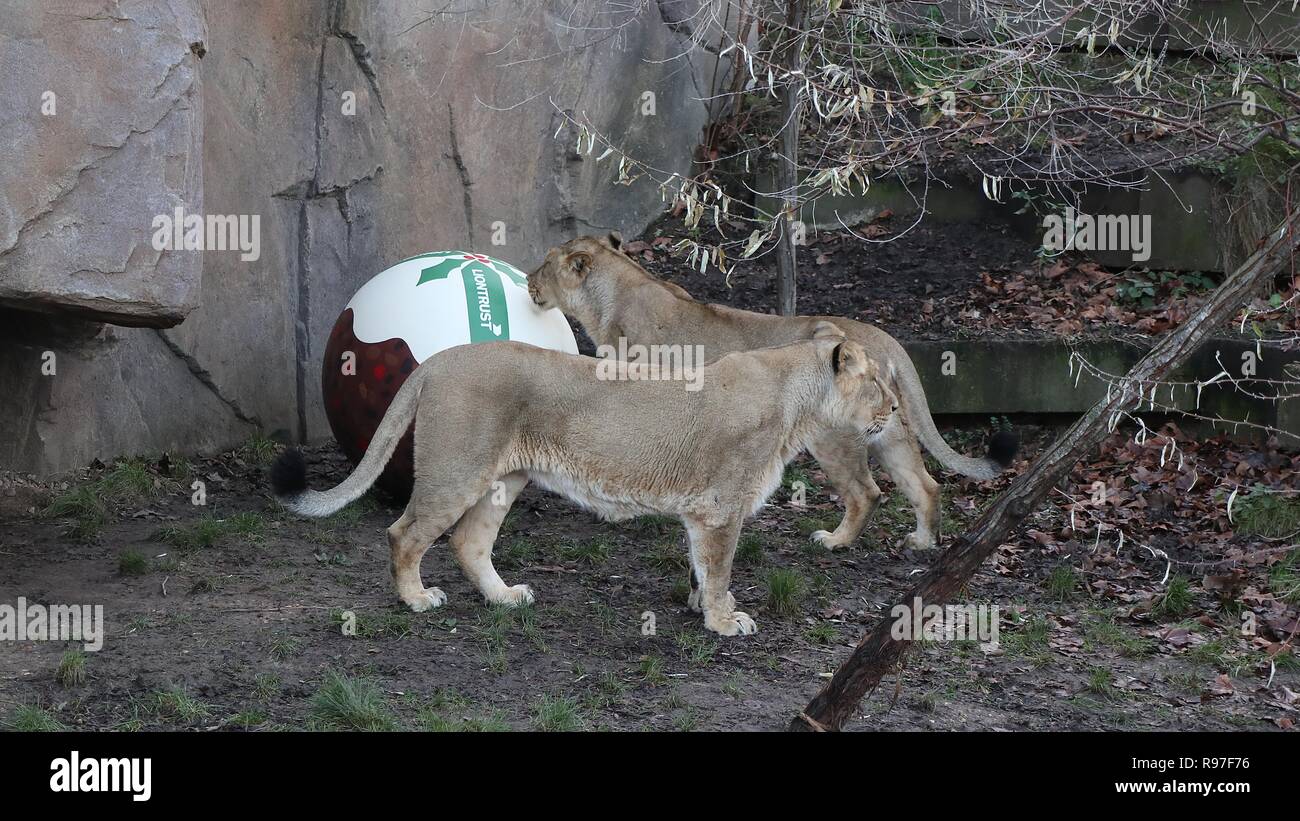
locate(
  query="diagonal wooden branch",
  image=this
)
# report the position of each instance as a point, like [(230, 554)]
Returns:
[(878, 652)]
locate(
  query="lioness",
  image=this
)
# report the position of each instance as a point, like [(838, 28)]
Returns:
[(591, 280), (492, 416)]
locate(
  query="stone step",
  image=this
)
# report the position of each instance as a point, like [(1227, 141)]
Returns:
[(998, 377)]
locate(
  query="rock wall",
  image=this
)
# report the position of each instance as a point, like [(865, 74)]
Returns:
[(357, 133)]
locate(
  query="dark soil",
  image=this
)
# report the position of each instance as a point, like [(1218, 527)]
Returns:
[(883, 283), (956, 280), (241, 633)]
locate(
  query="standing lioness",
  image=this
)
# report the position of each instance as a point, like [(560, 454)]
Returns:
[(619, 441), (615, 299)]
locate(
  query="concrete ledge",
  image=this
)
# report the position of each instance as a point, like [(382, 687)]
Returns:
[(1010, 376)]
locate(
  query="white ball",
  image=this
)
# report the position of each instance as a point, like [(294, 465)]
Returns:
[(447, 298)]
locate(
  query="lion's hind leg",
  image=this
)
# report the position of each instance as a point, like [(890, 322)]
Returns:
[(433, 508), (477, 531), (409, 538)]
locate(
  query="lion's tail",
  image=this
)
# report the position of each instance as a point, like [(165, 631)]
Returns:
[(1002, 445), (289, 474)]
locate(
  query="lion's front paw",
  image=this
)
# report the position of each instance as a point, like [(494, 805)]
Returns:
[(827, 539), (695, 603), (515, 596), (917, 541), (427, 599), (735, 623)]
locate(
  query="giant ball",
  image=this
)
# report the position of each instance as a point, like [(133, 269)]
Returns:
[(406, 314)]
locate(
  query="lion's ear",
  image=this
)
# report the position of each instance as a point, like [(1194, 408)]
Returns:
[(579, 263), (825, 329), (615, 240), (849, 358)]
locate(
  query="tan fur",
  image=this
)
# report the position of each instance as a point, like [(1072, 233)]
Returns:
[(490, 417), (611, 296)]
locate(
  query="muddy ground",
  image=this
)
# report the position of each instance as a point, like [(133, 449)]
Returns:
[(230, 616)]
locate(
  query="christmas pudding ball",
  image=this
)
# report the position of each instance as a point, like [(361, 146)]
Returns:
[(405, 315)]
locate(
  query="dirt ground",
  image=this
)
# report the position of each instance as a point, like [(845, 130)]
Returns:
[(231, 616)]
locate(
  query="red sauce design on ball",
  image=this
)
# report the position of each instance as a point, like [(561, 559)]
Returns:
[(355, 403)]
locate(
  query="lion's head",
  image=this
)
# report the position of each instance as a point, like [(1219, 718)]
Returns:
[(557, 283), (864, 397)]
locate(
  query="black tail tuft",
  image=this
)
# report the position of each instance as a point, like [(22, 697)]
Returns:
[(289, 474), (1003, 446)]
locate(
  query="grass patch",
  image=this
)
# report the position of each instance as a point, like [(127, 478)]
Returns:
[(1062, 583), (785, 591), (653, 525), (132, 562), (285, 647), (680, 591), (687, 721), (732, 686), (260, 449), (1105, 632), (129, 480), (208, 530), (266, 686), (177, 704), (1267, 513), (1175, 601), (808, 525), (1102, 683), (85, 507), (496, 624), (26, 718), (610, 690), (248, 719), (696, 648), (447, 712), (72, 669), (1214, 653), (793, 475), (517, 554), (1287, 661), (823, 632), (557, 714), (651, 669), (605, 617), (1031, 640), (346, 703), (591, 552), (432, 721), (393, 624), (1284, 578), (750, 549), (667, 555)]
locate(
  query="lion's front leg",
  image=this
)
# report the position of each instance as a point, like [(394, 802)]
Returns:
[(846, 464), (475, 534), (900, 455), (712, 551)]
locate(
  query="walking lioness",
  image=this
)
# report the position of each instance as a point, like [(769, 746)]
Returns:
[(591, 280), (621, 441)]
